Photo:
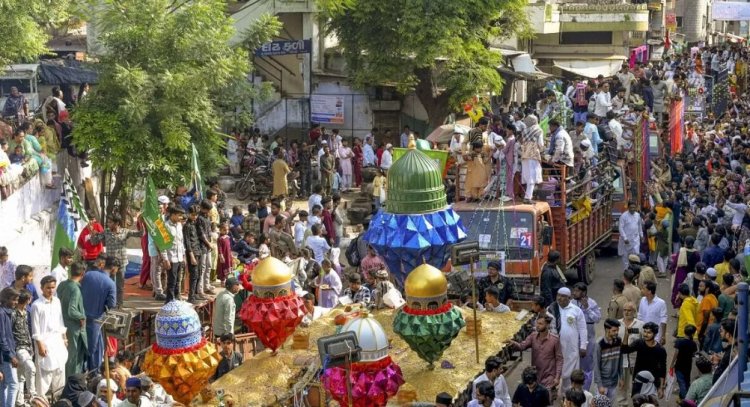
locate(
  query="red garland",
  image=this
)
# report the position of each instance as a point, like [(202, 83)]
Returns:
[(254, 298), (444, 308), (372, 366), (169, 352)]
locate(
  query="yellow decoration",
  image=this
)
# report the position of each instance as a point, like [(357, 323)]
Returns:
[(260, 380), (271, 272), (183, 375), (425, 281)]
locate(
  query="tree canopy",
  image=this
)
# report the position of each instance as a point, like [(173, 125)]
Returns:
[(165, 70), (23, 26), (439, 49)]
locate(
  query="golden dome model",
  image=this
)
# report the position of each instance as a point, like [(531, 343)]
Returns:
[(271, 272), (425, 281)]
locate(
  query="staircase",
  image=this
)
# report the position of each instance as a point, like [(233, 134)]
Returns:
[(253, 9)]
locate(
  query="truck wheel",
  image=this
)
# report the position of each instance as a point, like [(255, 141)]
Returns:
[(588, 268)]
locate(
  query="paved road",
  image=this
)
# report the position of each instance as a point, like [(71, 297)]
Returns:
[(607, 269)]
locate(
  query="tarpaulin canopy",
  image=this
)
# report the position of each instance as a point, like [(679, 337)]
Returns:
[(55, 74), (590, 68)]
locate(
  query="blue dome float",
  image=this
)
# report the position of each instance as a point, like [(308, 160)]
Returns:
[(416, 225), (178, 326)]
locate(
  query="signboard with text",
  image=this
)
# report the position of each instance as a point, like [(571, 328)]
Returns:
[(327, 109), (274, 48)]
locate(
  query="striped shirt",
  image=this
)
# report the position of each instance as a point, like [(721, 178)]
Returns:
[(607, 362)]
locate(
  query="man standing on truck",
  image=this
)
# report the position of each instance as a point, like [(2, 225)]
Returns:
[(592, 314), (494, 279), (631, 232), (552, 278), (571, 326)]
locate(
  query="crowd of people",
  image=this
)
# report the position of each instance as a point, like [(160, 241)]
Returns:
[(691, 230)]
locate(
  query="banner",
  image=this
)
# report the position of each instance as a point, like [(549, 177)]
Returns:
[(327, 109), (440, 157), (69, 213), (161, 236), (274, 48), (730, 11), (720, 93), (676, 123)]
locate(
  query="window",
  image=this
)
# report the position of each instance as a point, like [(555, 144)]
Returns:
[(679, 22), (593, 37)]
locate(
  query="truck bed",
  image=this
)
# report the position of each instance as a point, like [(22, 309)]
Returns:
[(581, 236)]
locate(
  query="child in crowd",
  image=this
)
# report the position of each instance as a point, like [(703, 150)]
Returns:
[(379, 187), (246, 248), (230, 358), (224, 247), (17, 157), (24, 348), (251, 222), (237, 217), (300, 228)]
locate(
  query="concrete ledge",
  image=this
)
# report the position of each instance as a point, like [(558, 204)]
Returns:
[(26, 202)]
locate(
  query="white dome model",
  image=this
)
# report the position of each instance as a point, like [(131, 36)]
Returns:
[(371, 337)]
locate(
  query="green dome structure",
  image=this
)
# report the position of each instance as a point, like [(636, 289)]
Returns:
[(415, 185)]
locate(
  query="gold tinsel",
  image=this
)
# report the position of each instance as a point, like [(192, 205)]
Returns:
[(184, 375), (262, 379)]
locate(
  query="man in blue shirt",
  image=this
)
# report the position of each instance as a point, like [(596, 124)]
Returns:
[(98, 291), (714, 254)]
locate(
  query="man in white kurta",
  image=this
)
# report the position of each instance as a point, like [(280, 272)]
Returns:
[(572, 332), (631, 233), (49, 335)]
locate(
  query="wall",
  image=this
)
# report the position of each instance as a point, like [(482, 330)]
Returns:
[(24, 203), (693, 13), (28, 217)]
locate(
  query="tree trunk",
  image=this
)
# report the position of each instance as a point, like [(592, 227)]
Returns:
[(434, 101), (116, 191)]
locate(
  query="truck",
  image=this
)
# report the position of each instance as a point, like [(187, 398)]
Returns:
[(520, 235), (630, 185)]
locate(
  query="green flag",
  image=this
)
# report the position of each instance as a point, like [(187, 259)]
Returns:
[(196, 173), (544, 124), (69, 214), (163, 239)]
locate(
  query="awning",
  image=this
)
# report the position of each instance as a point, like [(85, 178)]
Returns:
[(523, 68), (590, 68)]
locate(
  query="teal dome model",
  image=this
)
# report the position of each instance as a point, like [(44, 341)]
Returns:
[(415, 185)]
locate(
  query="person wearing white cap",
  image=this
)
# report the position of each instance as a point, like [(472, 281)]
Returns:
[(104, 395), (571, 327), (386, 160)]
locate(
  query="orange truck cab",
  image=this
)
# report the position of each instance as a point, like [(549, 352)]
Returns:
[(520, 236)]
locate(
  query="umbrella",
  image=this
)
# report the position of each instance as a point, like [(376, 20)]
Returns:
[(444, 133)]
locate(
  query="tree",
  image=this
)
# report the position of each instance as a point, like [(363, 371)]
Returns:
[(23, 27), (438, 49), (164, 71)]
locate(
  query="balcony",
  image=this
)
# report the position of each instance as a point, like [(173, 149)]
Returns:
[(603, 17)]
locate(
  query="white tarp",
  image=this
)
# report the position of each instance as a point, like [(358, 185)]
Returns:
[(590, 68), (523, 64), (730, 11)]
